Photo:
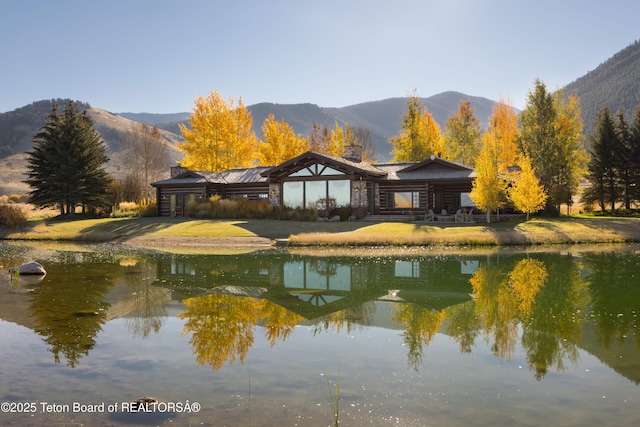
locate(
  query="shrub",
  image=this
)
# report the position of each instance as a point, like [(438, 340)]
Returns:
[(147, 209), (18, 198), (132, 209), (12, 216)]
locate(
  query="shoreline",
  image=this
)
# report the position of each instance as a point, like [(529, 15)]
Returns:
[(179, 234)]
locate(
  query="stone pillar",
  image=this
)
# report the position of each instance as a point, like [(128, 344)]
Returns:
[(274, 194)]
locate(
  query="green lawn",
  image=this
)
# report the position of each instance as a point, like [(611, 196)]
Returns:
[(535, 231)]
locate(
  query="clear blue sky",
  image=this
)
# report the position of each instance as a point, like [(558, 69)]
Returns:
[(158, 55)]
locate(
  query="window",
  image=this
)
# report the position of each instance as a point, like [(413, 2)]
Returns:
[(293, 194), (317, 169), (298, 194), (403, 199)]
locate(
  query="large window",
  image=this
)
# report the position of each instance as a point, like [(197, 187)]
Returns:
[(403, 199), (293, 194), (316, 186), (298, 194)]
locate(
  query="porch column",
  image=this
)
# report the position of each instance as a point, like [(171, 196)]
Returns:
[(274, 194)]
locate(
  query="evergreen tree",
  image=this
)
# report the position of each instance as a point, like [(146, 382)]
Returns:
[(602, 172), (462, 135), (67, 164), (420, 136), (634, 146), (551, 135), (624, 160)]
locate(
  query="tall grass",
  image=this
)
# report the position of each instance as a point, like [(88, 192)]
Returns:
[(241, 208), (12, 216)]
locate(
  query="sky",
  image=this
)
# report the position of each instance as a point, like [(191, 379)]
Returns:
[(158, 56)]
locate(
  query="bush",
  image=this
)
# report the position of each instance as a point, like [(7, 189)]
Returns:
[(148, 210), (132, 209), (18, 198), (241, 208), (12, 216)]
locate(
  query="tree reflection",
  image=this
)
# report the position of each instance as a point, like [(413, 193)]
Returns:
[(145, 303), (613, 284), (345, 319), (546, 300), (463, 325), (421, 325), (550, 335), (69, 308), (222, 326)]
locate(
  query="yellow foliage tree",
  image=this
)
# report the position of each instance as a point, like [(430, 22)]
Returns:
[(527, 193), (503, 132), (420, 137), (219, 135), (338, 141), (525, 281), (488, 187), (280, 143)]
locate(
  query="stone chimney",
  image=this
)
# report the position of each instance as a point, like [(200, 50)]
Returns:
[(353, 152), (177, 170)]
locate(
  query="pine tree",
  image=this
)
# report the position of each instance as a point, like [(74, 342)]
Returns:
[(420, 136), (625, 164), (551, 135), (602, 172), (67, 164), (634, 146), (462, 135)]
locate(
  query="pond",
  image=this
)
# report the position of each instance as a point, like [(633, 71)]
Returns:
[(277, 338)]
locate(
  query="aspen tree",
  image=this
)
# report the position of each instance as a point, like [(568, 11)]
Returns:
[(527, 194), (280, 142), (488, 187), (219, 135)]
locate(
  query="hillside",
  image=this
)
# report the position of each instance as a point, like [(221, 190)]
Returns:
[(381, 118), (614, 83), (18, 127)]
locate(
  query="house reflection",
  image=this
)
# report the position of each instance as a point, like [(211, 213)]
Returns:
[(313, 287)]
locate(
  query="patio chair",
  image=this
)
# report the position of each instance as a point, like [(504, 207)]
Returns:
[(470, 215), (429, 216), (458, 216)]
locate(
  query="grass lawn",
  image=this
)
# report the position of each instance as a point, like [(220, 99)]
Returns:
[(535, 231)]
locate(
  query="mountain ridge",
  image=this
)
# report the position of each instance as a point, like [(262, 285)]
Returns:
[(613, 83)]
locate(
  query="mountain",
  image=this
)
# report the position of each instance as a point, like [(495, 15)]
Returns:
[(614, 83), (382, 118), (18, 127), (155, 119)]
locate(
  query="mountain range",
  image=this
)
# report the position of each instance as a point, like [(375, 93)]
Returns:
[(614, 82)]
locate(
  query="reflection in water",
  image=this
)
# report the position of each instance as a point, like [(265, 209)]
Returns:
[(539, 302), (81, 292), (421, 325), (70, 313), (546, 299), (546, 304)]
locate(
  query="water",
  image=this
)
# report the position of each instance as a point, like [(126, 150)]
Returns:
[(276, 338)]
